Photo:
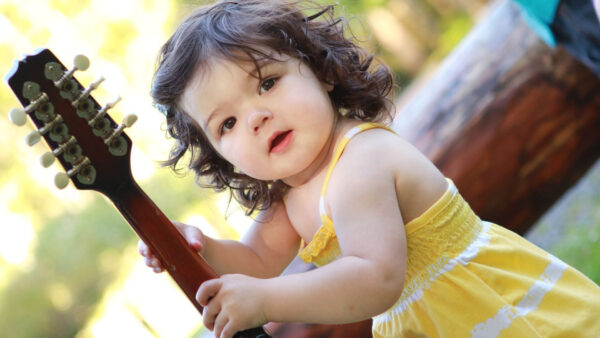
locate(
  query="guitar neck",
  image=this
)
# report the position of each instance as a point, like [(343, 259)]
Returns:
[(94, 152), (186, 267)]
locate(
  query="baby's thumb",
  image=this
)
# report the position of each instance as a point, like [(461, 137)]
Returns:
[(194, 237), (196, 245), (143, 248)]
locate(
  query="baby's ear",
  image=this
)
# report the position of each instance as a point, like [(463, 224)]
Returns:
[(329, 85)]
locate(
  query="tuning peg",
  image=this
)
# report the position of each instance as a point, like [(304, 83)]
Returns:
[(117, 145), (17, 116), (112, 103), (61, 180), (87, 91), (85, 172), (81, 62), (47, 159), (31, 90), (103, 111), (127, 122), (33, 138)]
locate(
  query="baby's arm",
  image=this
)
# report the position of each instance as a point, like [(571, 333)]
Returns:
[(369, 276), (266, 249)]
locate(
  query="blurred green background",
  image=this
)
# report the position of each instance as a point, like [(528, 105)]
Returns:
[(68, 261)]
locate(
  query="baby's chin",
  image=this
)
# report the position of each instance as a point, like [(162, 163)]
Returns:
[(293, 172), (271, 177), (261, 176)]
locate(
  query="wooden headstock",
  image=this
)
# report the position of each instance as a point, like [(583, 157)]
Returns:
[(95, 154), (90, 146)]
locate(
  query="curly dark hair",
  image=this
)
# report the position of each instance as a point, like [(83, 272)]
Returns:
[(240, 31)]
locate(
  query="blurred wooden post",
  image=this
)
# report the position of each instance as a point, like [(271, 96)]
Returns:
[(512, 122)]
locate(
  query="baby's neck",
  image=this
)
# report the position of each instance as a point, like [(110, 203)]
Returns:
[(321, 162)]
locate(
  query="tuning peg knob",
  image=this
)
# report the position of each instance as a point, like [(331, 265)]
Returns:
[(87, 91), (103, 111), (17, 116), (47, 159), (53, 71), (81, 62), (129, 120), (33, 138), (61, 180)]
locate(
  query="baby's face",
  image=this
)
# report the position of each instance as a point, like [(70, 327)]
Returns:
[(277, 127)]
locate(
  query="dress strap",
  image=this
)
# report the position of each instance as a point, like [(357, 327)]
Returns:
[(340, 149), (323, 247)]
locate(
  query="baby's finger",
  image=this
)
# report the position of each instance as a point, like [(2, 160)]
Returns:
[(221, 321), (193, 236), (143, 249), (207, 290), (153, 263), (229, 330), (209, 314)]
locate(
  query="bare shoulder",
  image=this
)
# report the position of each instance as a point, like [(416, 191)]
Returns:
[(380, 151), (378, 159)]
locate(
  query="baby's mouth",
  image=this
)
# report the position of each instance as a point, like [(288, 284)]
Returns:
[(278, 139)]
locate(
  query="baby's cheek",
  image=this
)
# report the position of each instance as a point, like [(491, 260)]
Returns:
[(229, 150), (244, 158), (247, 164), (255, 170)]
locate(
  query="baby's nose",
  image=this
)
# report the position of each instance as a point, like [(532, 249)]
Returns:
[(257, 120)]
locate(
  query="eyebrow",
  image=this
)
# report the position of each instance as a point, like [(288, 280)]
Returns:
[(259, 65)]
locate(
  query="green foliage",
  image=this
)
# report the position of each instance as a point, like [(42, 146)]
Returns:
[(358, 6), (119, 35), (69, 7), (454, 28), (581, 249), (571, 229), (77, 256)]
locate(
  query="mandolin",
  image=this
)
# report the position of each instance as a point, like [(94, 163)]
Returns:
[(95, 154)]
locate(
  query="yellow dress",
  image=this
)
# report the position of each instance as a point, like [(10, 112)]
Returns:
[(469, 278)]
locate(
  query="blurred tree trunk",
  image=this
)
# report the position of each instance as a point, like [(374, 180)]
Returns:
[(513, 123)]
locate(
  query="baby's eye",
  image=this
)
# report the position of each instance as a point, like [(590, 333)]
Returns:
[(227, 125), (266, 85)]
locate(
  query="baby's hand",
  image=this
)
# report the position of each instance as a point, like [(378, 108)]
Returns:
[(232, 303), (191, 234)]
